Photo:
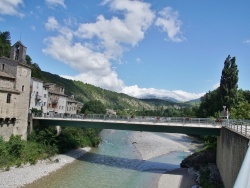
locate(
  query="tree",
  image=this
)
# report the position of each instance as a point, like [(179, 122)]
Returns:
[(36, 71), (241, 111), (225, 95), (209, 105), (93, 106), (229, 83), (5, 43)]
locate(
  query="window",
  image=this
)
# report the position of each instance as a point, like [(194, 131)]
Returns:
[(8, 98), (45, 96), (17, 52), (22, 87), (2, 66), (44, 104)]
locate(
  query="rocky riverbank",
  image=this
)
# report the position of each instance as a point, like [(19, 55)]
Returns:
[(151, 145), (26, 174)]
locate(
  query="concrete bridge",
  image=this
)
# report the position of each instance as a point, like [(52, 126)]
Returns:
[(197, 126), (233, 136)]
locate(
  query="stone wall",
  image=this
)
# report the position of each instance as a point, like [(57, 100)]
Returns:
[(231, 150)]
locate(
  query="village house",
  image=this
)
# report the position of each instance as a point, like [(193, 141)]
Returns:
[(71, 106), (50, 99), (56, 99), (15, 76), (38, 95)]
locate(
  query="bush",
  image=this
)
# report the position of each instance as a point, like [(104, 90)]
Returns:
[(43, 143)]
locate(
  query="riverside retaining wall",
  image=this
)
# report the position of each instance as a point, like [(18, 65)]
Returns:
[(231, 150)]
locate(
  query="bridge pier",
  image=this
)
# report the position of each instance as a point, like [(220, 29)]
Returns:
[(231, 151)]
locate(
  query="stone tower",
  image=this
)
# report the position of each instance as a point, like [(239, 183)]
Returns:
[(15, 77), (18, 52)]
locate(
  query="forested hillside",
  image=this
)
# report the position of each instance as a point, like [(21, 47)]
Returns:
[(85, 92)]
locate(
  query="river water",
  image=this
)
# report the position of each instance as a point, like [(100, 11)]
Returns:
[(116, 163)]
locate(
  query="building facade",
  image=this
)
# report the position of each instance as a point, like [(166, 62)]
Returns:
[(15, 77), (56, 99)]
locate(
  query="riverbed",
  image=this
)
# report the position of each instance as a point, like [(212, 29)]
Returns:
[(124, 159)]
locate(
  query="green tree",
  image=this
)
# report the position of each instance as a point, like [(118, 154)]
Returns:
[(229, 83), (209, 104), (36, 71), (94, 106), (5, 43), (226, 95), (241, 111)]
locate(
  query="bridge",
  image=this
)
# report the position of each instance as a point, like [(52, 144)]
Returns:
[(184, 125)]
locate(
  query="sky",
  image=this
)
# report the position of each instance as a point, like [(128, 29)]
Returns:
[(166, 48)]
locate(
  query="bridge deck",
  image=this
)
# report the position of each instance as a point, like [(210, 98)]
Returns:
[(201, 126)]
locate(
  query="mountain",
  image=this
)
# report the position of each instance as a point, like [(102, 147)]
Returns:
[(161, 98), (84, 92), (194, 102), (166, 103)]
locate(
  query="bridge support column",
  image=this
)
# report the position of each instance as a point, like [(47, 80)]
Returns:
[(231, 150)]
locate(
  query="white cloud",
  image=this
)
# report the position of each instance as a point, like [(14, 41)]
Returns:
[(10, 7), (70, 21), (115, 32), (138, 60), (135, 91), (247, 41), (52, 24), (215, 86), (53, 3), (92, 47), (108, 81), (33, 28), (169, 22)]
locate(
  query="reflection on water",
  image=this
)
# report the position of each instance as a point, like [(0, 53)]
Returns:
[(115, 163)]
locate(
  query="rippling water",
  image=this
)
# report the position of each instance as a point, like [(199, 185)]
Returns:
[(115, 163)]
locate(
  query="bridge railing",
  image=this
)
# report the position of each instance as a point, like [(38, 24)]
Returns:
[(144, 119), (240, 126)]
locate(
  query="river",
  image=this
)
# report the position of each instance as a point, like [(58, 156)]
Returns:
[(124, 159)]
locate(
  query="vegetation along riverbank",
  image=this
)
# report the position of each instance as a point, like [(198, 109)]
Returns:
[(203, 164), (44, 143)]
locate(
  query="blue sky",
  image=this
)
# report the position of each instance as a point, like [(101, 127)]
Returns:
[(162, 48)]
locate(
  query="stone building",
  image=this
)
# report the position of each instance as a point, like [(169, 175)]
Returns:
[(71, 106), (56, 99), (15, 76)]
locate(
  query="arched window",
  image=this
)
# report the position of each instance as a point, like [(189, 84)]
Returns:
[(8, 98), (22, 87), (17, 52)]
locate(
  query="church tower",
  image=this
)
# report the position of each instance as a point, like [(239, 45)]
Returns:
[(18, 52)]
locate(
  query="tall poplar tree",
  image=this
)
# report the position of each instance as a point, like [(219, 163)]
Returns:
[(229, 83)]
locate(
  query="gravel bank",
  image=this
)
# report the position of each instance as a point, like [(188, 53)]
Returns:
[(18, 177), (152, 145)]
